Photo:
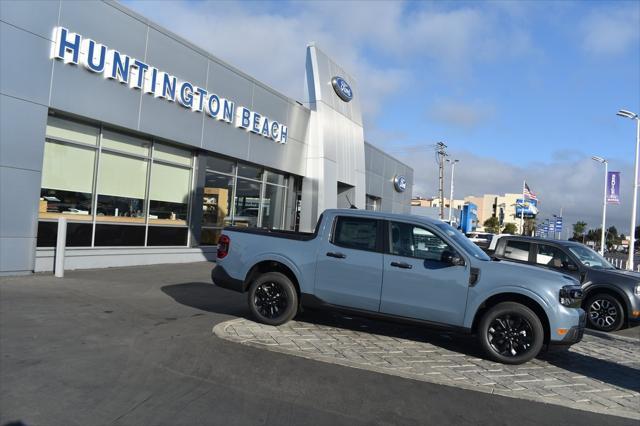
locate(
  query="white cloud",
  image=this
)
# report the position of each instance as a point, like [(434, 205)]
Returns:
[(574, 182), (612, 31), (467, 115)]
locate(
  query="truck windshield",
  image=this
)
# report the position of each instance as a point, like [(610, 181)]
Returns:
[(590, 258), (463, 241)]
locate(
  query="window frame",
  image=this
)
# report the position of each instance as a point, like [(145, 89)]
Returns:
[(379, 246), (566, 254)]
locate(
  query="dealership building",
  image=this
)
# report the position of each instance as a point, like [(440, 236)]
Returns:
[(148, 145)]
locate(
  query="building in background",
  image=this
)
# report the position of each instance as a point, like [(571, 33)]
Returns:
[(148, 145)]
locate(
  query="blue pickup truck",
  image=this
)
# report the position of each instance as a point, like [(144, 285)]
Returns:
[(405, 268)]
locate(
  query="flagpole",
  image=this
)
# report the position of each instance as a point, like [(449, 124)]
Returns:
[(522, 210)]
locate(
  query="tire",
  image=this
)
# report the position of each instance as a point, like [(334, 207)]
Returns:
[(511, 333), (273, 299), (604, 312)]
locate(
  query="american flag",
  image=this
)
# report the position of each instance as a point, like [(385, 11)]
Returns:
[(528, 195)]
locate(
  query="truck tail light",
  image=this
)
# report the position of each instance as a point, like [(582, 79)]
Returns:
[(224, 242)]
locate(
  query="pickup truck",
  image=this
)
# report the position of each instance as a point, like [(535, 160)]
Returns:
[(406, 268), (611, 295)]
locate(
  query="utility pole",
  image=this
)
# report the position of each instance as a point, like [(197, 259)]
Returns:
[(441, 150)]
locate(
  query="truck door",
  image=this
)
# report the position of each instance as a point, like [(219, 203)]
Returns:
[(420, 280), (349, 264)]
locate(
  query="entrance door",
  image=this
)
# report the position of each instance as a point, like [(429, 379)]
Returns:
[(349, 266)]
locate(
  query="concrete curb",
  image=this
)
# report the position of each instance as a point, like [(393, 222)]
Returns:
[(220, 331)]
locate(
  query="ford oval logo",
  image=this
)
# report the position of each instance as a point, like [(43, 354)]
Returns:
[(400, 183), (342, 88)]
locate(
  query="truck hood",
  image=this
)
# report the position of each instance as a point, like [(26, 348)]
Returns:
[(613, 276), (528, 273)]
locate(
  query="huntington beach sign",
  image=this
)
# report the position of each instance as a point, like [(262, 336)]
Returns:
[(72, 48)]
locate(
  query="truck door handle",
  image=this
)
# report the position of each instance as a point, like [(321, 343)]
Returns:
[(336, 255), (402, 265)]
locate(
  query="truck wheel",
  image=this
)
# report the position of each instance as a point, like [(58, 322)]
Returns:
[(605, 312), (273, 299), (511, 333)]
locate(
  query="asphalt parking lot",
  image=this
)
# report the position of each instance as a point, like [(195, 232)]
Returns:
[(135, 346)]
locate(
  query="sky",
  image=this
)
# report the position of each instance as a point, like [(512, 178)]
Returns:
[(518, 90)]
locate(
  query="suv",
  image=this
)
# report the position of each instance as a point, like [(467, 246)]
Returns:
[(611, 295)]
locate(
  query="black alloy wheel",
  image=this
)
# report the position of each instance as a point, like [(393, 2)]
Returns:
[(270, 299), (273, 299), (511, 333), (604, 312)]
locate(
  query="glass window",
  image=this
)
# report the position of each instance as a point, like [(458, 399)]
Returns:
[(273, 207), (169, 194), (275, 178), (372, 203), (67, 181), (216, 200), (172, 154), (210, 236), (78, 234), (119, 235), (590, 258), (247, 203), (167, 236), (459, 238), (413, 241), (220, 164), (126, 143), (250, 172), (517, 250), (357, 233), (60, 128), (553, 257), (121, 188)]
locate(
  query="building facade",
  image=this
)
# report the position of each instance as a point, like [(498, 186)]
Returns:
[(148, 145)]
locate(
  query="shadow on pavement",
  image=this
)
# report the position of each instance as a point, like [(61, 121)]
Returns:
[(208, 297), (598, 369)]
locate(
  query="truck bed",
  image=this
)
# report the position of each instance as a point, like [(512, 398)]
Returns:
[(275, 233)]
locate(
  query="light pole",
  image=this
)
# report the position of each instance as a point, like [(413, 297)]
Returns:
[(604, 201), (633, 116), (453, 168)]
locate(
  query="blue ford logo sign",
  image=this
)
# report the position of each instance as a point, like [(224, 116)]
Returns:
[(400, 183), (342, 88)]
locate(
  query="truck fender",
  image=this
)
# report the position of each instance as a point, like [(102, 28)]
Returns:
[(275, 257), (473, 306)]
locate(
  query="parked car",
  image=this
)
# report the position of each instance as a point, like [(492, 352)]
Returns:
[(406, 268), (481, 239), (611, 295)]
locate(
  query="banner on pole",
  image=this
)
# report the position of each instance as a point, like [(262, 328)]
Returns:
[(613, 188)]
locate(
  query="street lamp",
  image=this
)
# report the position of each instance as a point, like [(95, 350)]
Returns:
[(633, 116), (453, 167), (604, 201)]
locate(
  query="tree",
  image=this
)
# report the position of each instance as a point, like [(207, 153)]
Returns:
[(510, 228), (578, 230), (492, 225), (529, 226)]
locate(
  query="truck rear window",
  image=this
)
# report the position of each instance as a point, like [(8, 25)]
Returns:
[(355, 232)]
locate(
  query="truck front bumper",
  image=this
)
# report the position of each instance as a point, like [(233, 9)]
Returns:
[(221, 278), (574, 334)]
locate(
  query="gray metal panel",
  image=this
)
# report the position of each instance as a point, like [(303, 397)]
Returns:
[(19, 193), (286, 157), (169, 55), (298, 122), (22, 130), (23, 14), (17, 254), (225, 138), (106, 25), (228, 84), (271, 105), (375, 185), (25, 67), (170, 120)]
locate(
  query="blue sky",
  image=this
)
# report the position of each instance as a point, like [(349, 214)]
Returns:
[(518, 90)]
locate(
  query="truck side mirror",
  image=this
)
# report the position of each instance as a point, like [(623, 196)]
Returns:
[(452, 258)]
